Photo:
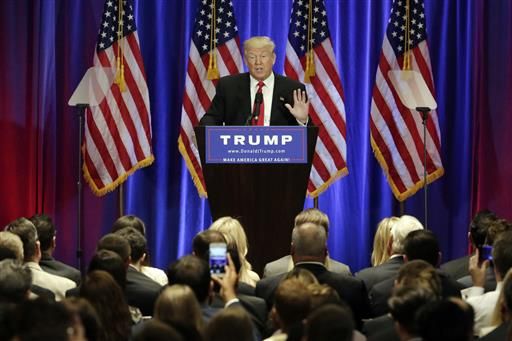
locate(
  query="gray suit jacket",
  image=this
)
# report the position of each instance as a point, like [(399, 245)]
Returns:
[(285, 264)]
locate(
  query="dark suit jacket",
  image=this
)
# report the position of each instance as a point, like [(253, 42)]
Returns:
[(232, 102), (381, 328), (381, 292), (350, 289), (498, 334), (141, 291), (53, 266), (457, 268), (376, 274), (280, 266)]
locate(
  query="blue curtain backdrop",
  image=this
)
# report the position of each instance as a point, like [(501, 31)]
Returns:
[(48, 45)]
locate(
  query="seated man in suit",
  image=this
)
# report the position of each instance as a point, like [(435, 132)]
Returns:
[(284, 100), (285, 264), (32, 255), (46, 232), (141, 291), (400, 230), (308, 251), (422, 245)]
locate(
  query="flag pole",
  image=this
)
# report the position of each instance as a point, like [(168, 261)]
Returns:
[(120, 200)]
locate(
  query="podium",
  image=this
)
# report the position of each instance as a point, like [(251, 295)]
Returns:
[(264, 197)]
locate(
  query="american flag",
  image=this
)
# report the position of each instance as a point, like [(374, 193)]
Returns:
[(215, 20), (309, 27), (397, 132), (118, 131)]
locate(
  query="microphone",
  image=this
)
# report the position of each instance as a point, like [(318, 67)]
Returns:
[(258, 99)]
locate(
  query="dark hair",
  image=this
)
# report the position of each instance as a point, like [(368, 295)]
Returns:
[(45, 230), (422, 244), (496, 228), (110, 262), (231, 324), (115, 243), (445, 320), (502, 253), (202, 240), (330, 322), (129, 221), (28, 235), (192, 271), (480, 225), (419, 274), (292, 301), (107, 298), (136, 240), (88, 316), (155, 330), (405, 303)]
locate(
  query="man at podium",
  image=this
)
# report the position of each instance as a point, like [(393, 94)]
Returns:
[(258, 97)]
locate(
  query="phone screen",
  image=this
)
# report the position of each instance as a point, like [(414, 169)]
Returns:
[(485, 253), (217, 259)]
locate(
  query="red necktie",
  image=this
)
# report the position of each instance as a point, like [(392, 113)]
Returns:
[(261, 116)]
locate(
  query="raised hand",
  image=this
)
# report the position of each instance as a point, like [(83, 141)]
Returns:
[(300, 106)]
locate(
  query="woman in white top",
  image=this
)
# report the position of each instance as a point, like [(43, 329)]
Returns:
[(234, 233)]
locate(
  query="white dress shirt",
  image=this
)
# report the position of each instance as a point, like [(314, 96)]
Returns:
[(483, 304), (267, 91)]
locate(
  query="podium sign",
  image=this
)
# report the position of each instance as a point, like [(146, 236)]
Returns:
[(238, 145)]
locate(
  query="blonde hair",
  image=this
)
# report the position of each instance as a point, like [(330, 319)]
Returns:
[(315, 216), (259, 42), (235, 235), (401, 229), (178, 304), (381, 240)]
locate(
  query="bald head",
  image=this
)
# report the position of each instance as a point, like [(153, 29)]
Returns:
[(309, 243)]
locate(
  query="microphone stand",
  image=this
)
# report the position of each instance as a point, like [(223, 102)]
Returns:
[(424, 116), (256, 112)]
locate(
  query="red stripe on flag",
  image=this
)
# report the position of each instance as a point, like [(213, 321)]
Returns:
[(329, 68), (195, 163), (91, 169), (228, 59)]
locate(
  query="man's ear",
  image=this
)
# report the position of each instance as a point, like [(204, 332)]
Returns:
[(389, 247), (54, 242), (406, 259), (439, 258)]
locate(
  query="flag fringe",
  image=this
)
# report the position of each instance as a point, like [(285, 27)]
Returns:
[(122, 178), (339, 174), (409, 192), (191, 169)]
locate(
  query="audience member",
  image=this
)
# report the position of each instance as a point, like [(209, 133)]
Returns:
[(308, 251), (27, 232), (202, 240), (131, 220), (477, 235), (482, 302), (403, 306), (418, 245), (414, 275), (303, 275), (292, 304), (285, 264), (235, 234), (47, 238), (388, 269), (11, 246), (445, 320), (141, 291), (15, 281), (90, 320), (105, 295), (381, 245), (502, 314), (229, 325), (329, 322), (117, 244), (177, 306)]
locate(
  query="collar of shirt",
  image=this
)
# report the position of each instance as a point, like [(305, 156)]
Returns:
[(267, 91)]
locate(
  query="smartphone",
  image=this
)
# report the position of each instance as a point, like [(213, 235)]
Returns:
[(485, 253), (218, 259)]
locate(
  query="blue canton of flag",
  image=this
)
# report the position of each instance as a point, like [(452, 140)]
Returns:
[(397, 25), (224, 24), (108, 33)]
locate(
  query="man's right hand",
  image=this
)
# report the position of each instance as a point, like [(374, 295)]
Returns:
[(478, 270)]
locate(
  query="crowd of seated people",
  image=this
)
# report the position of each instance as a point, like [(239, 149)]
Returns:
[(406, 293)]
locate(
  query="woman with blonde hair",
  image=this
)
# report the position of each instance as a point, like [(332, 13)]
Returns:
[(381, 252), (235, 235), (177, 306)]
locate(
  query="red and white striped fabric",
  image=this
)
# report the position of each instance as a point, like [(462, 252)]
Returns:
[(327, 108), (117, 133), (397, 132), (199, 91)]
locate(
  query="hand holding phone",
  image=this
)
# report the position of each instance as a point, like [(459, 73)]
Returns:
[(218, 259)]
